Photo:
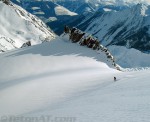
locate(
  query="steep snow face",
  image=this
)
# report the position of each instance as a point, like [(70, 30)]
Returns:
[(18, 26), (129, 27), (54, 15)]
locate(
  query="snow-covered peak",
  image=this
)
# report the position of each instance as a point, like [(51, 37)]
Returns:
[(19, 26), (60, 10), (140, 9), (129, 27)]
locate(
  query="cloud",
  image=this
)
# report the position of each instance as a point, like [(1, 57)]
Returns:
[(136, 1)]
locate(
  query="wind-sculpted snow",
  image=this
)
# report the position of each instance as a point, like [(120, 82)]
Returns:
[(46, 65), (20, 26), (63, 80)]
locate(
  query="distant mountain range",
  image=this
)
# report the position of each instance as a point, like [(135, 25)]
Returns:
[(115, 22), (129, 27)]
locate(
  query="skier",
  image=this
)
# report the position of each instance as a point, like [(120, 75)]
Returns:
[(115, 79)]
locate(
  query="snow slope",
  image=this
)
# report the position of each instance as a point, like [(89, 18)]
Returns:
[(46, 74), (18, 26), (130, 58), (62, 79)]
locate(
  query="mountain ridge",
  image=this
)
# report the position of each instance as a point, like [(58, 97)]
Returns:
[(19, 26)]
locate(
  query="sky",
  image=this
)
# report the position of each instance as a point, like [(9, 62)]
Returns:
[(126, 1), (120, 1)]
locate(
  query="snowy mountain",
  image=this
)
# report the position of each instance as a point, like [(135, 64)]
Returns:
[(45, 9), (81, 6), (128, 27), (60, 80), (18, 27), (53, 14)]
